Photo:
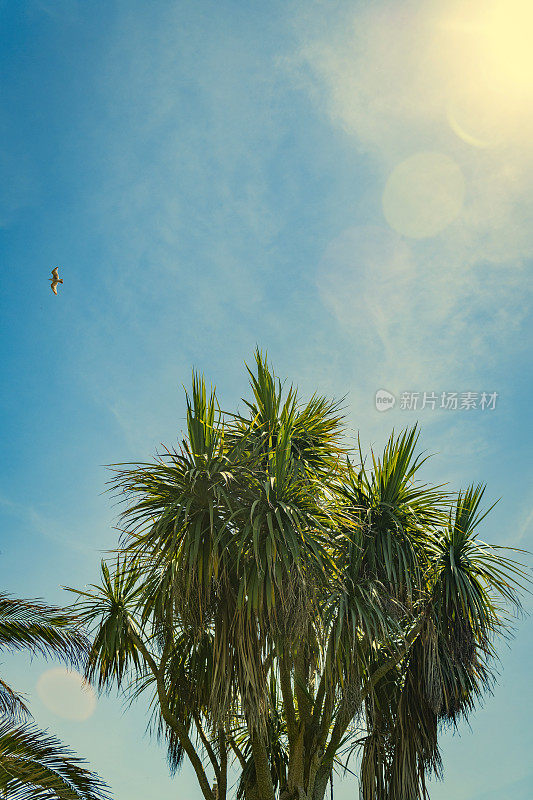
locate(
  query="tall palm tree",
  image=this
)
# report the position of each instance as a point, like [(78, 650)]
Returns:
[(35, 765), (286, 602)]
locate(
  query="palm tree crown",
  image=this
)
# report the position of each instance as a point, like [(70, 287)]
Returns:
[(285, 601), (35, 765)]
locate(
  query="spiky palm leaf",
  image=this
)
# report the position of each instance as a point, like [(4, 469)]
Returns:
[(37, 766), (448, 667), (264, 578), (32, 625)]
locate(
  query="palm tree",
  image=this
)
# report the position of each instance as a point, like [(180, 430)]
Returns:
[(286, 603), (35, 765)]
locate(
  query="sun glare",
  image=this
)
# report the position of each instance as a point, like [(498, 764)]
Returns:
[(491, 71), (508, 38)]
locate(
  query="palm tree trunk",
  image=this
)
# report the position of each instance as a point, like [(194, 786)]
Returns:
[(262, 768)]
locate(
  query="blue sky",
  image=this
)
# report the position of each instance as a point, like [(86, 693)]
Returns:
[(210, 176)]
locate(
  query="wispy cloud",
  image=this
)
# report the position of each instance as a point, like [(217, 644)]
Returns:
[(43, 525), (189, 126), (425, 310)]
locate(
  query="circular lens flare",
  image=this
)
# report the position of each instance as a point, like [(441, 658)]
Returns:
[(423, 195), (67, 694)]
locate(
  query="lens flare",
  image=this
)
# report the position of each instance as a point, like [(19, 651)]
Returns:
[(423, 195), (66, 694), (490, 80), (507, 35)]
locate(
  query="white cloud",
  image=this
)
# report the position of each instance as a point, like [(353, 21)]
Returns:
[(429, 310), (422, 315), (387, 72)]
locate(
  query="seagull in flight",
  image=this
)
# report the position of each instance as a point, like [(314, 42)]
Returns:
[(54, 280)]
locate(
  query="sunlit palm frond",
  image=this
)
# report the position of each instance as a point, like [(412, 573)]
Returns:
[(109, 608), (32, 625), (37, 766), (265, 581), (394, 514)]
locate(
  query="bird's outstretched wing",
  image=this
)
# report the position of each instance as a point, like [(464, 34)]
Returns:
[(53, 286), (55, 274)]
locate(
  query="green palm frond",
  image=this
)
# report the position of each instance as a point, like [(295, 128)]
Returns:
[(203, 420), (12, 704), (110, 609), (37, 766), (394, 514), (42, 629), (270, 591), (188, 680), (474, 587), (32, 625)]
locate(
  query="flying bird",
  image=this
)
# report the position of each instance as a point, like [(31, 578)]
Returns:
[(54, 280)]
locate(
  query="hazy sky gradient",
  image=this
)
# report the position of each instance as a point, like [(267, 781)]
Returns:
[(210, 176)]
